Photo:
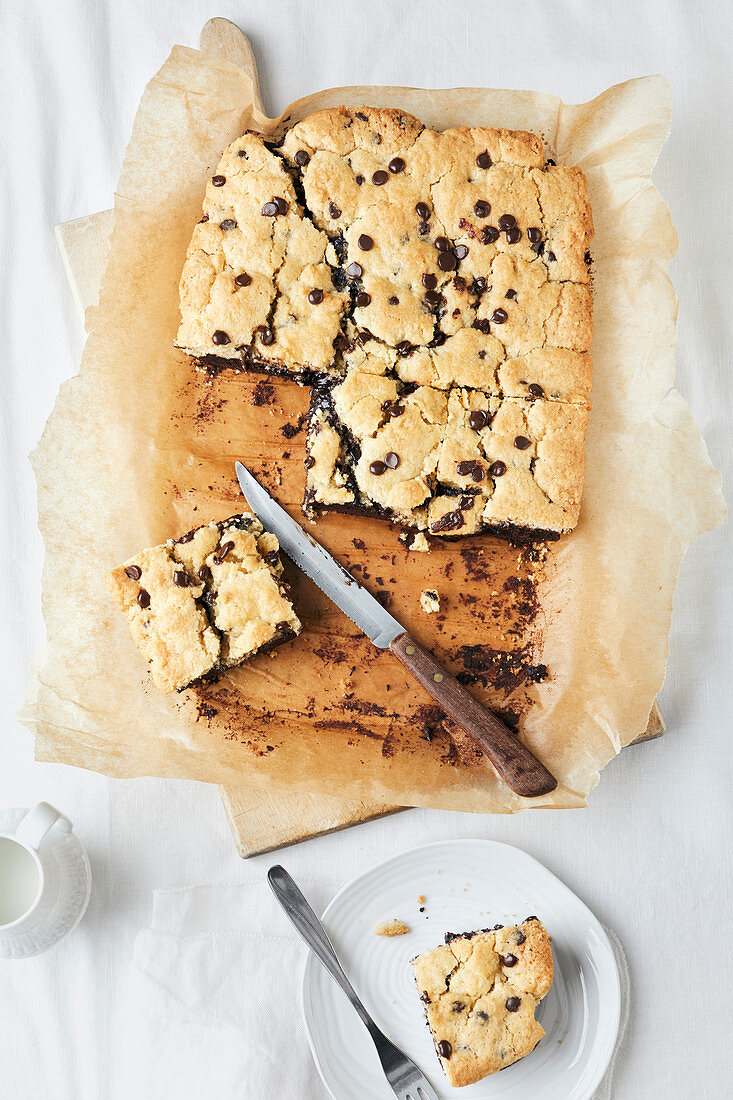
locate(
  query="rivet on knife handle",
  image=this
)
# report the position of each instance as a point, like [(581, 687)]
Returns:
[(514, 762)]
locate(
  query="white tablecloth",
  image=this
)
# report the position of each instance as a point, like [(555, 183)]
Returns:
[(650, 855)]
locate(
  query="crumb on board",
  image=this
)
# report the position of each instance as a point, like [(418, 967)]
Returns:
[(429, 601), (414, 541), (421, 900), (392, 927)]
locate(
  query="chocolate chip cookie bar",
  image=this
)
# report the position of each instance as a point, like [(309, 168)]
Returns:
[(451, 463), (362, 238), (480, 991), (206, 601)]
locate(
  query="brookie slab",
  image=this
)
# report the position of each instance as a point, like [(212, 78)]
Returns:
[(452, 462), (480, 991), (365, 249), (206, 601)]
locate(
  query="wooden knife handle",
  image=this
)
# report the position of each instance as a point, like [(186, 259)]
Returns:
[(516, 765)]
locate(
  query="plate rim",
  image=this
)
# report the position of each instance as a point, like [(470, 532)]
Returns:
[(311, 963)]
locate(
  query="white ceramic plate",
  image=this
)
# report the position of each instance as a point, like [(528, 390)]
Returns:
[(467, 884)]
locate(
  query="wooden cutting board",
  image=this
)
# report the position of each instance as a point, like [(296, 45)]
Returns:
[(261, 820)]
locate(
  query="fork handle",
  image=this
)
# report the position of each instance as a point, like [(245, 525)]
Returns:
[(309, 927)]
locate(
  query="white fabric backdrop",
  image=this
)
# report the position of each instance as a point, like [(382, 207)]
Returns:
[(650, 855)]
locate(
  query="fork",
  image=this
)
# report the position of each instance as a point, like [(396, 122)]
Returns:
[(405, 1079)]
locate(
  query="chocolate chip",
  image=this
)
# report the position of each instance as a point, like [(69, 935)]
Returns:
[(513, 235), (423, 228), (551, 162), (361, 115), (447, 261), (521, 443), (464, 468), (478, 420), (218, 181), (405, 348), (392, 460), (479, 285), (205, 573), (273, 558), (482, 354), (489, 234), (457, 1006), (477, 473), (520, 937), (497, 927), (359, 179), (228, 223), (223, 551), (365, 242), (444, 1048), (507, 221), (269, 210), (243, 279), (341, 343), (333, 210), (466, 503), (377, 467), (425, 998), (510, 294), (362, 298), (220, 337), (483, 1016), (498, 468), (396, 165), (423, 211), (482, 324), (180, 577), (282, 206), (587, 257), (442, 244), (509, 960), (535, 390), (430, 281), (316, 296), (355, 271), (433, 298), (512, 1004), (461, 251), (134, 572), (380, 178), (534, 234), (284, 627), (538, 247), (365, 336), (451, 521), (143, 598), (530, 918), (267, 336), (309, 462), (483, 160), (301, 158), (393, 300), (551, 256), (393, 408), (481, 208), (499, 316)]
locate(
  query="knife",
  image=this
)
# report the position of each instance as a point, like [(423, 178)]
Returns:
[(514, 762)]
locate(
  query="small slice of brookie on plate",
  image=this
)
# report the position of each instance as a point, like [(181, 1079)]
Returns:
[(480, 991)]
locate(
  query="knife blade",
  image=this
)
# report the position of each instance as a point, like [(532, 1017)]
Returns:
[(331, 577), (514, 762)]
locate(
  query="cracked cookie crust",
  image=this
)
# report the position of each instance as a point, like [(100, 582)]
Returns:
[(450, 463), (364, 239), (480, 991), (364, 245), (206, 601)]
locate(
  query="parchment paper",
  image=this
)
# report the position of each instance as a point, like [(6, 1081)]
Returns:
[(124, 463)]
